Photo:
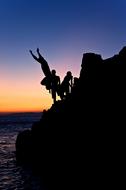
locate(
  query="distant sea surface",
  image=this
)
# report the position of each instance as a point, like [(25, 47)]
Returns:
[(13, 177)]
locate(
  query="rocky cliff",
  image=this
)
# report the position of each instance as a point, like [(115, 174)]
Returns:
[(79, 142)]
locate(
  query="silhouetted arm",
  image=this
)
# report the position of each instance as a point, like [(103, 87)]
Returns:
[(59, 81), (43, 62), (37, 59), (38, 52), (41, 58), (71, 82)]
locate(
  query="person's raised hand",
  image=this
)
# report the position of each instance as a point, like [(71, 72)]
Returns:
[(30, 51), (37, 50)]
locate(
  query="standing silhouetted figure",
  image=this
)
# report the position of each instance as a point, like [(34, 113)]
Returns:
[(55, 83), (66, 85)]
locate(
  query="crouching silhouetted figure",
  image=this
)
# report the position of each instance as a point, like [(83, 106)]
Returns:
[(66, 85)]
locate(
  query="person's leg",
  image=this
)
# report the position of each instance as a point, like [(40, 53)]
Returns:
[(67, 90), (54, 95)]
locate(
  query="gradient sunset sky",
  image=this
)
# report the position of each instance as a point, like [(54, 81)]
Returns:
[(63, 30)]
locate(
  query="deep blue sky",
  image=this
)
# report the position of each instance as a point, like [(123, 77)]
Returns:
[(62, 29)]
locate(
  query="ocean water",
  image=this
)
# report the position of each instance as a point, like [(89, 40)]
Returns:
[(12, 176)]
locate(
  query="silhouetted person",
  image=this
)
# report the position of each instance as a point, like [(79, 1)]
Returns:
[(76, 80), (55, 83), (75, 83), (66, 85), (45, 68), (43, 62), (51, 80)]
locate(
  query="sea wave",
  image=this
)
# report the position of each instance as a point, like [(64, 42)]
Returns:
[(12, 176)]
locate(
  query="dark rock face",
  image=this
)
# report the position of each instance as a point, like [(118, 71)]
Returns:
[(80, 141)]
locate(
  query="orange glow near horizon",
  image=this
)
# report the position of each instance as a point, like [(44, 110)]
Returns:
[(23, 96), (20, 89)]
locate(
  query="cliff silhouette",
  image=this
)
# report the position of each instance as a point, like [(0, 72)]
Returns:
[(79, 141)]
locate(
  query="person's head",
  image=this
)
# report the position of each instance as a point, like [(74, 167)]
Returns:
[(53, 72), (69, 73)]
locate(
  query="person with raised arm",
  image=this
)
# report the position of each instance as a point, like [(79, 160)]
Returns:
[(43, 62), (51, 80)]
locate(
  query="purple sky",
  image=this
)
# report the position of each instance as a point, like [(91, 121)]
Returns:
[(62, 29)]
